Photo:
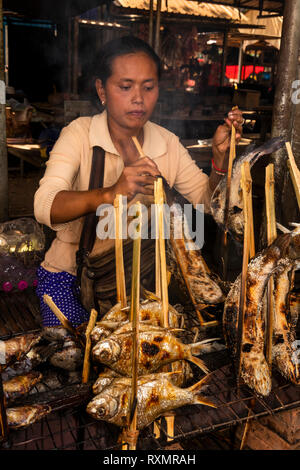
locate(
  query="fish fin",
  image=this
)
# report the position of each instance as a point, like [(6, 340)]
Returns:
[(110, 324), (198, 385), (282, 228), (149, 295), (198, 363), (196, 348), (204, 401)]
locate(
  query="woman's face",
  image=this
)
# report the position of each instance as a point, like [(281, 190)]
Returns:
[(131, 92)]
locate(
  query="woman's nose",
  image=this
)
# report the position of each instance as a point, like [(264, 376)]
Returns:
[(137, 96)]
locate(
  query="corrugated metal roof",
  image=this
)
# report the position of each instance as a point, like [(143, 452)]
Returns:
[(185, 7), (271, 6)]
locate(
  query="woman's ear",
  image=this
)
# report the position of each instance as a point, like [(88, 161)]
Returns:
[(100, 90)]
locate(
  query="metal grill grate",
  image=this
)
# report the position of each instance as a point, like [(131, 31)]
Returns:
[(72, 428)]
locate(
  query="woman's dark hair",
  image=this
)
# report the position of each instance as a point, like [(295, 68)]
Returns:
[(118, 47)]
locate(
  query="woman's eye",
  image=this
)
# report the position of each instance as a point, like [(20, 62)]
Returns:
[(149, 88), (125, 88)]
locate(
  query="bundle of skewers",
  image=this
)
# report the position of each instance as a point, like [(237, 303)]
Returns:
[(259, 319), (136, 340)]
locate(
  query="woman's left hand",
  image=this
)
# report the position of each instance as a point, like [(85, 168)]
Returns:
[(221, 139)]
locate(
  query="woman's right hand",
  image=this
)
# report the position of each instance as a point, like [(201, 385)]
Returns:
[(137, 178)]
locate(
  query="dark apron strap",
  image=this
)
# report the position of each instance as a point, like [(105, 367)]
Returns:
[(88, 234)]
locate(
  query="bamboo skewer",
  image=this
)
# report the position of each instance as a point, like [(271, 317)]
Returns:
[(271, 235), (159, 204), (246, 188), (157, 254), (120, 273), (4, 430), (86, 361), (63, 320), (130, 435), (232, 155), (134, 318), (249, 252), (294, 171)]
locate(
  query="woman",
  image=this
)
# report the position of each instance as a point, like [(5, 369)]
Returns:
[(127, 85)]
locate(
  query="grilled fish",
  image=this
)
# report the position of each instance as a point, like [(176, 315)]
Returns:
[(55, 333), (17, 347), (186, 262), (21, 385), (155, 395), (22, 416), (149, 310), (36, 356), (181, 373), (254, 368), (284, 333), (54, 379), (157, 347), (69, 358), (236, 216)]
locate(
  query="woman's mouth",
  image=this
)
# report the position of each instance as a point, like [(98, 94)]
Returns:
[(137, 114)]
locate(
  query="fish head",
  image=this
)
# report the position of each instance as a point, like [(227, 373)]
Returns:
[(103, 407), (256, 374), (294, 251), (107, 351)]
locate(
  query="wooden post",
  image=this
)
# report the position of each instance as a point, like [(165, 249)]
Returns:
[(6, 56), (75, 56), (3, 151), (69, 55), (150, 40), (224, 58), (285, 111), (157, 27), (240, 62)]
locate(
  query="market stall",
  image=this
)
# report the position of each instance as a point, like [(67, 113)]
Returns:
[(213, 348)]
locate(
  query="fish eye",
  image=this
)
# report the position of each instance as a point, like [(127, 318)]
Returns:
[(106, 350), (101, 411), (109, 350)]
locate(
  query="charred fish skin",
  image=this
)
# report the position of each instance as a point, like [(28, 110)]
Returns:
[(236, 216), (69, 358), (284, 333), (157, 347), (188, 265), (149, 311), (156, 395), (22, 416), (36, 356), (181, 374), (16, 348), (254, 368)]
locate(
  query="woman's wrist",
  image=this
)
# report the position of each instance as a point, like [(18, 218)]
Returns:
[(100, 196), (219, 169)]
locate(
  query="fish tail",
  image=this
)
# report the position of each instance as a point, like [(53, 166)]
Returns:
[(196, 348), (198, 385), (198, 362), (204, 401)]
